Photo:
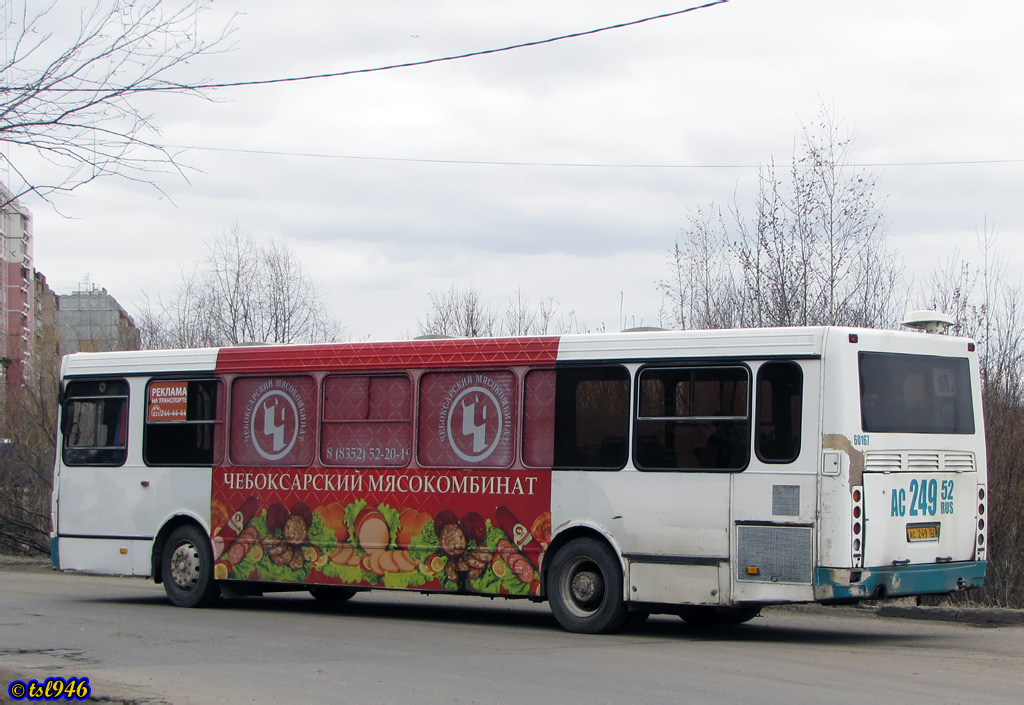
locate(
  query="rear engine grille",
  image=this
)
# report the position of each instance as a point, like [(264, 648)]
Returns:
[(921, 461)]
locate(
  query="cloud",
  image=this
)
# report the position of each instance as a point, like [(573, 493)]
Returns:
[(727, 87)]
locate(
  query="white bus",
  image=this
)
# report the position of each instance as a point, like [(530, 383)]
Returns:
[(699, 473)]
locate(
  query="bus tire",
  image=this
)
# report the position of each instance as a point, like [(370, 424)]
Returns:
[(701, 616), (188, 568), (329, 593), (584, 587)]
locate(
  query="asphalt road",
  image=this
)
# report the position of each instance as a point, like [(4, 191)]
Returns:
[(386, 647)]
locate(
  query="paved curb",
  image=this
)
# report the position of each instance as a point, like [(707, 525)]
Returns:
[(980, 616)]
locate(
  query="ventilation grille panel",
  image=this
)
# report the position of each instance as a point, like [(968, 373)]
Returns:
[(779, 553)]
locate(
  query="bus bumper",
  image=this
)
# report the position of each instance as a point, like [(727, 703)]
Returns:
[(897, 581)]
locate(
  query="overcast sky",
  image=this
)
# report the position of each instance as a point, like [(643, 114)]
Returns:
[(365, 177)]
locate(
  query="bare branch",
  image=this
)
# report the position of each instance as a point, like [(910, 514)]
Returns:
[(72, 102)]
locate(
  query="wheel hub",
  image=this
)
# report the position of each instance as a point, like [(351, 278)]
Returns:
[(587, 588), (185, 566)]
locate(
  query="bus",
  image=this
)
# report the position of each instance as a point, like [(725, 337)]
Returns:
[(704, 474)]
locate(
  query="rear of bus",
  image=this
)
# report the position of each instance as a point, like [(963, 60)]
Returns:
[(903, 495)]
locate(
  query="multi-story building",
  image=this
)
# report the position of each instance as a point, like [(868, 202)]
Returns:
[(91, 320), (34, 321), (17, 283)]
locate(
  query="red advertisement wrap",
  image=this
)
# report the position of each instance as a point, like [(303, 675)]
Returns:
[(425, 354), (481, 531)]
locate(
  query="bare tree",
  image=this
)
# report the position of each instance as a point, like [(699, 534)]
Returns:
[(74, 101), (812, 250), (701, 290), (462, 313), (522, 318), (458, 312), (27, 435), (242, 292), (988, 305)]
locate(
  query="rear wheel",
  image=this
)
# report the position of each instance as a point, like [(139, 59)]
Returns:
[(700, 616), (326, 593), (188, 568), (584, 586)]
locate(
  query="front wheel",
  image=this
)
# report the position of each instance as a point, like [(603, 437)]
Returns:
[(188, 568), (584, 586)]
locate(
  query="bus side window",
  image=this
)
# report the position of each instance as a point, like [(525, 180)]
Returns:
[(467, 419), (693, 418), (182, 417), (576, 418), (367, 421), (95, 423), (273, 421), (779, 406)]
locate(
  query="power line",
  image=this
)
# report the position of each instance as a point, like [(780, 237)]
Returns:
[(578, 165), (456, 57)]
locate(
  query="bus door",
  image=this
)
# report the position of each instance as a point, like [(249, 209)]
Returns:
[(102, 503), (692, 433), (774, 498)]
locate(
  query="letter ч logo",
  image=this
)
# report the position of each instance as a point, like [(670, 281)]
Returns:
[(274, 426), (481, 424)]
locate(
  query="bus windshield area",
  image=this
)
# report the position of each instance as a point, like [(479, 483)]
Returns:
[(902, 393)]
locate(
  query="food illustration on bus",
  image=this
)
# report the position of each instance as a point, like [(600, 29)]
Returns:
[(360, 544)]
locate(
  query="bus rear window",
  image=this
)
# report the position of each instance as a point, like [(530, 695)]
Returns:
[(915, 394)]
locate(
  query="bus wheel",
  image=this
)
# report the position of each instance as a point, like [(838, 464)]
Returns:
[(584, 586), (325, 593), (188, 568), (718, 616)]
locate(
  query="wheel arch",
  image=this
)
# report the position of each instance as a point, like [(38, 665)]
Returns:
[(160, 540), (577, 531)]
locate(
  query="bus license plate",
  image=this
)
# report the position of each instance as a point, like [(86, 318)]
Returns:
[(922, 532)]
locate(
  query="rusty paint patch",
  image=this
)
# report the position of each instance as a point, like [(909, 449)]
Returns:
[(837, 441)]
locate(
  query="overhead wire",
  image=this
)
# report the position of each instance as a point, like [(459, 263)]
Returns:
[(455, 57), (579, 165)]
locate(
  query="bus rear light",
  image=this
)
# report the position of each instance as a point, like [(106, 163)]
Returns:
[(853, 337), (970, 347), (979, 553), (753, 570), (856, 516)]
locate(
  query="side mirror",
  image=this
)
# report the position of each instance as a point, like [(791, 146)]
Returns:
[(65, 415)]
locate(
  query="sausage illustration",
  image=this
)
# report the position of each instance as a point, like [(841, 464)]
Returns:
[(229, 534), (514, 528), (518, 563), (241, 546)]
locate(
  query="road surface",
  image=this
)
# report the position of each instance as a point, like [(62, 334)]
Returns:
[(386, 647)]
